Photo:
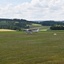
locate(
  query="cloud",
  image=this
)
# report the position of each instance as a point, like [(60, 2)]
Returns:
[(35, 10)]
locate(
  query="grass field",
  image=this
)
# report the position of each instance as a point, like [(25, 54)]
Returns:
[(36, 48)]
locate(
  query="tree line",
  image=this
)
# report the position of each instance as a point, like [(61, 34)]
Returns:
[(57, 27), (19, 24), (51, 23), (14, 24)]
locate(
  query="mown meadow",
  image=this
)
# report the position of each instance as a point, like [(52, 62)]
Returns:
[(37, 48)]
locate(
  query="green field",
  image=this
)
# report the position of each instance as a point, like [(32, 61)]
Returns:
[(36, 48)]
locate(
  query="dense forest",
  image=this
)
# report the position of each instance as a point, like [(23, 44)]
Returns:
[(15, 24), (19, 24), (51, 23), (57, 27)]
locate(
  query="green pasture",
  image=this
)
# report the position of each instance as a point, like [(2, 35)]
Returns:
[(37, 48), (42, 28)]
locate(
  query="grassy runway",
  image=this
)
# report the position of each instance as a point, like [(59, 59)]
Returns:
[(37, 48)]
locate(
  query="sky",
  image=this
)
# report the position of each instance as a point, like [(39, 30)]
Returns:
[(32, 9)]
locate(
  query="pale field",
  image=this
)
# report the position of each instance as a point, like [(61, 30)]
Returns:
[(6, 30)]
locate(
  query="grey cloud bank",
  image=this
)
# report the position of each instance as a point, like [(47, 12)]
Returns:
[(35, 10)]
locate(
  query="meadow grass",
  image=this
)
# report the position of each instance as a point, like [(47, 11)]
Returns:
[(36, 48)]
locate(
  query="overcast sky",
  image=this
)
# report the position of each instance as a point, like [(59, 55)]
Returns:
[(32, 9)]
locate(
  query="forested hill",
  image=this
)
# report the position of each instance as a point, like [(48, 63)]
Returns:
[(15, 24), (18, 24), (51, 23)]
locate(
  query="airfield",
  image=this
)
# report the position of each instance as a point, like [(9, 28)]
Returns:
[(17, 47)]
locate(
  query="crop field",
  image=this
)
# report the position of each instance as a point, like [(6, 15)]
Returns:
[(37, 48)]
